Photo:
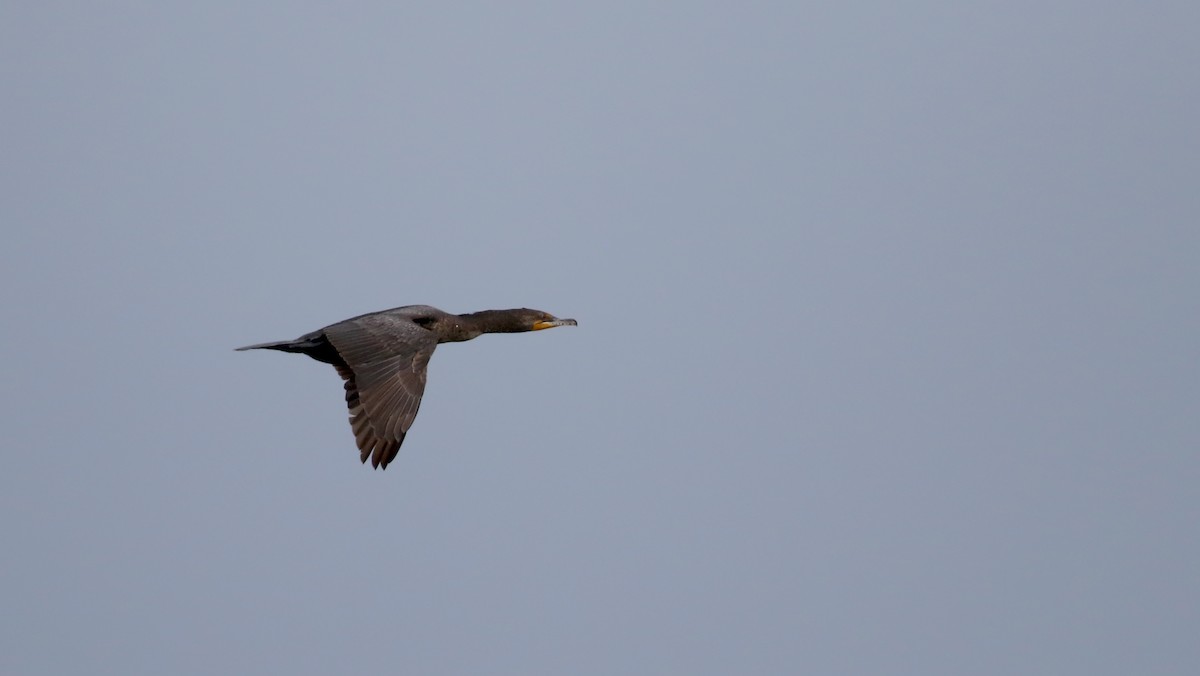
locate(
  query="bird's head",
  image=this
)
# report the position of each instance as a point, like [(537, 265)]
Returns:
[(536, 320), (517, 320)]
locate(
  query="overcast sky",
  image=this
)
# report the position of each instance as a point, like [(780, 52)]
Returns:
[(888, 357)]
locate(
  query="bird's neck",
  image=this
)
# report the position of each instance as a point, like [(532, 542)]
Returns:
[(491, 321)]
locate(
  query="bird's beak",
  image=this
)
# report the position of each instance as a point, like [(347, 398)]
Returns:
[(551, 323)]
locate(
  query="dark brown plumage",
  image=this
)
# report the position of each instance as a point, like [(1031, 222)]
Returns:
[(383, 356)]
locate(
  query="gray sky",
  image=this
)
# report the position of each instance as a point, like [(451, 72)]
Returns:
[(887, 359)]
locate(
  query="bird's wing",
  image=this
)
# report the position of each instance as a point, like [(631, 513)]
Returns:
[(385, 361)]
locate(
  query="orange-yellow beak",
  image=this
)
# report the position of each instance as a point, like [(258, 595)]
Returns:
[(551, 323)]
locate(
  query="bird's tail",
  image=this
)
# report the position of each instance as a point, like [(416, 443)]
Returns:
[(306, 344), (284, 345), (312, 344)]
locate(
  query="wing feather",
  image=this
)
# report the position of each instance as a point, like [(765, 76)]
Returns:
[(386, 358)]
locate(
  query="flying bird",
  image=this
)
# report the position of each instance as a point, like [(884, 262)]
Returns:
[(382, 356)]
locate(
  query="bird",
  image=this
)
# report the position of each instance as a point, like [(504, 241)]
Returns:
[(382, 357)]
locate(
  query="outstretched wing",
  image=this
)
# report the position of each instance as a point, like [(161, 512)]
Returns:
[(385, 361)]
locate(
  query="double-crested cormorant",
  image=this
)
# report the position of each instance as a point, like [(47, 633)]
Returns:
[(382, 356)]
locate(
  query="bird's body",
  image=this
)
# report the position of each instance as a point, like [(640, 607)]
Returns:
[(382, 357)]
